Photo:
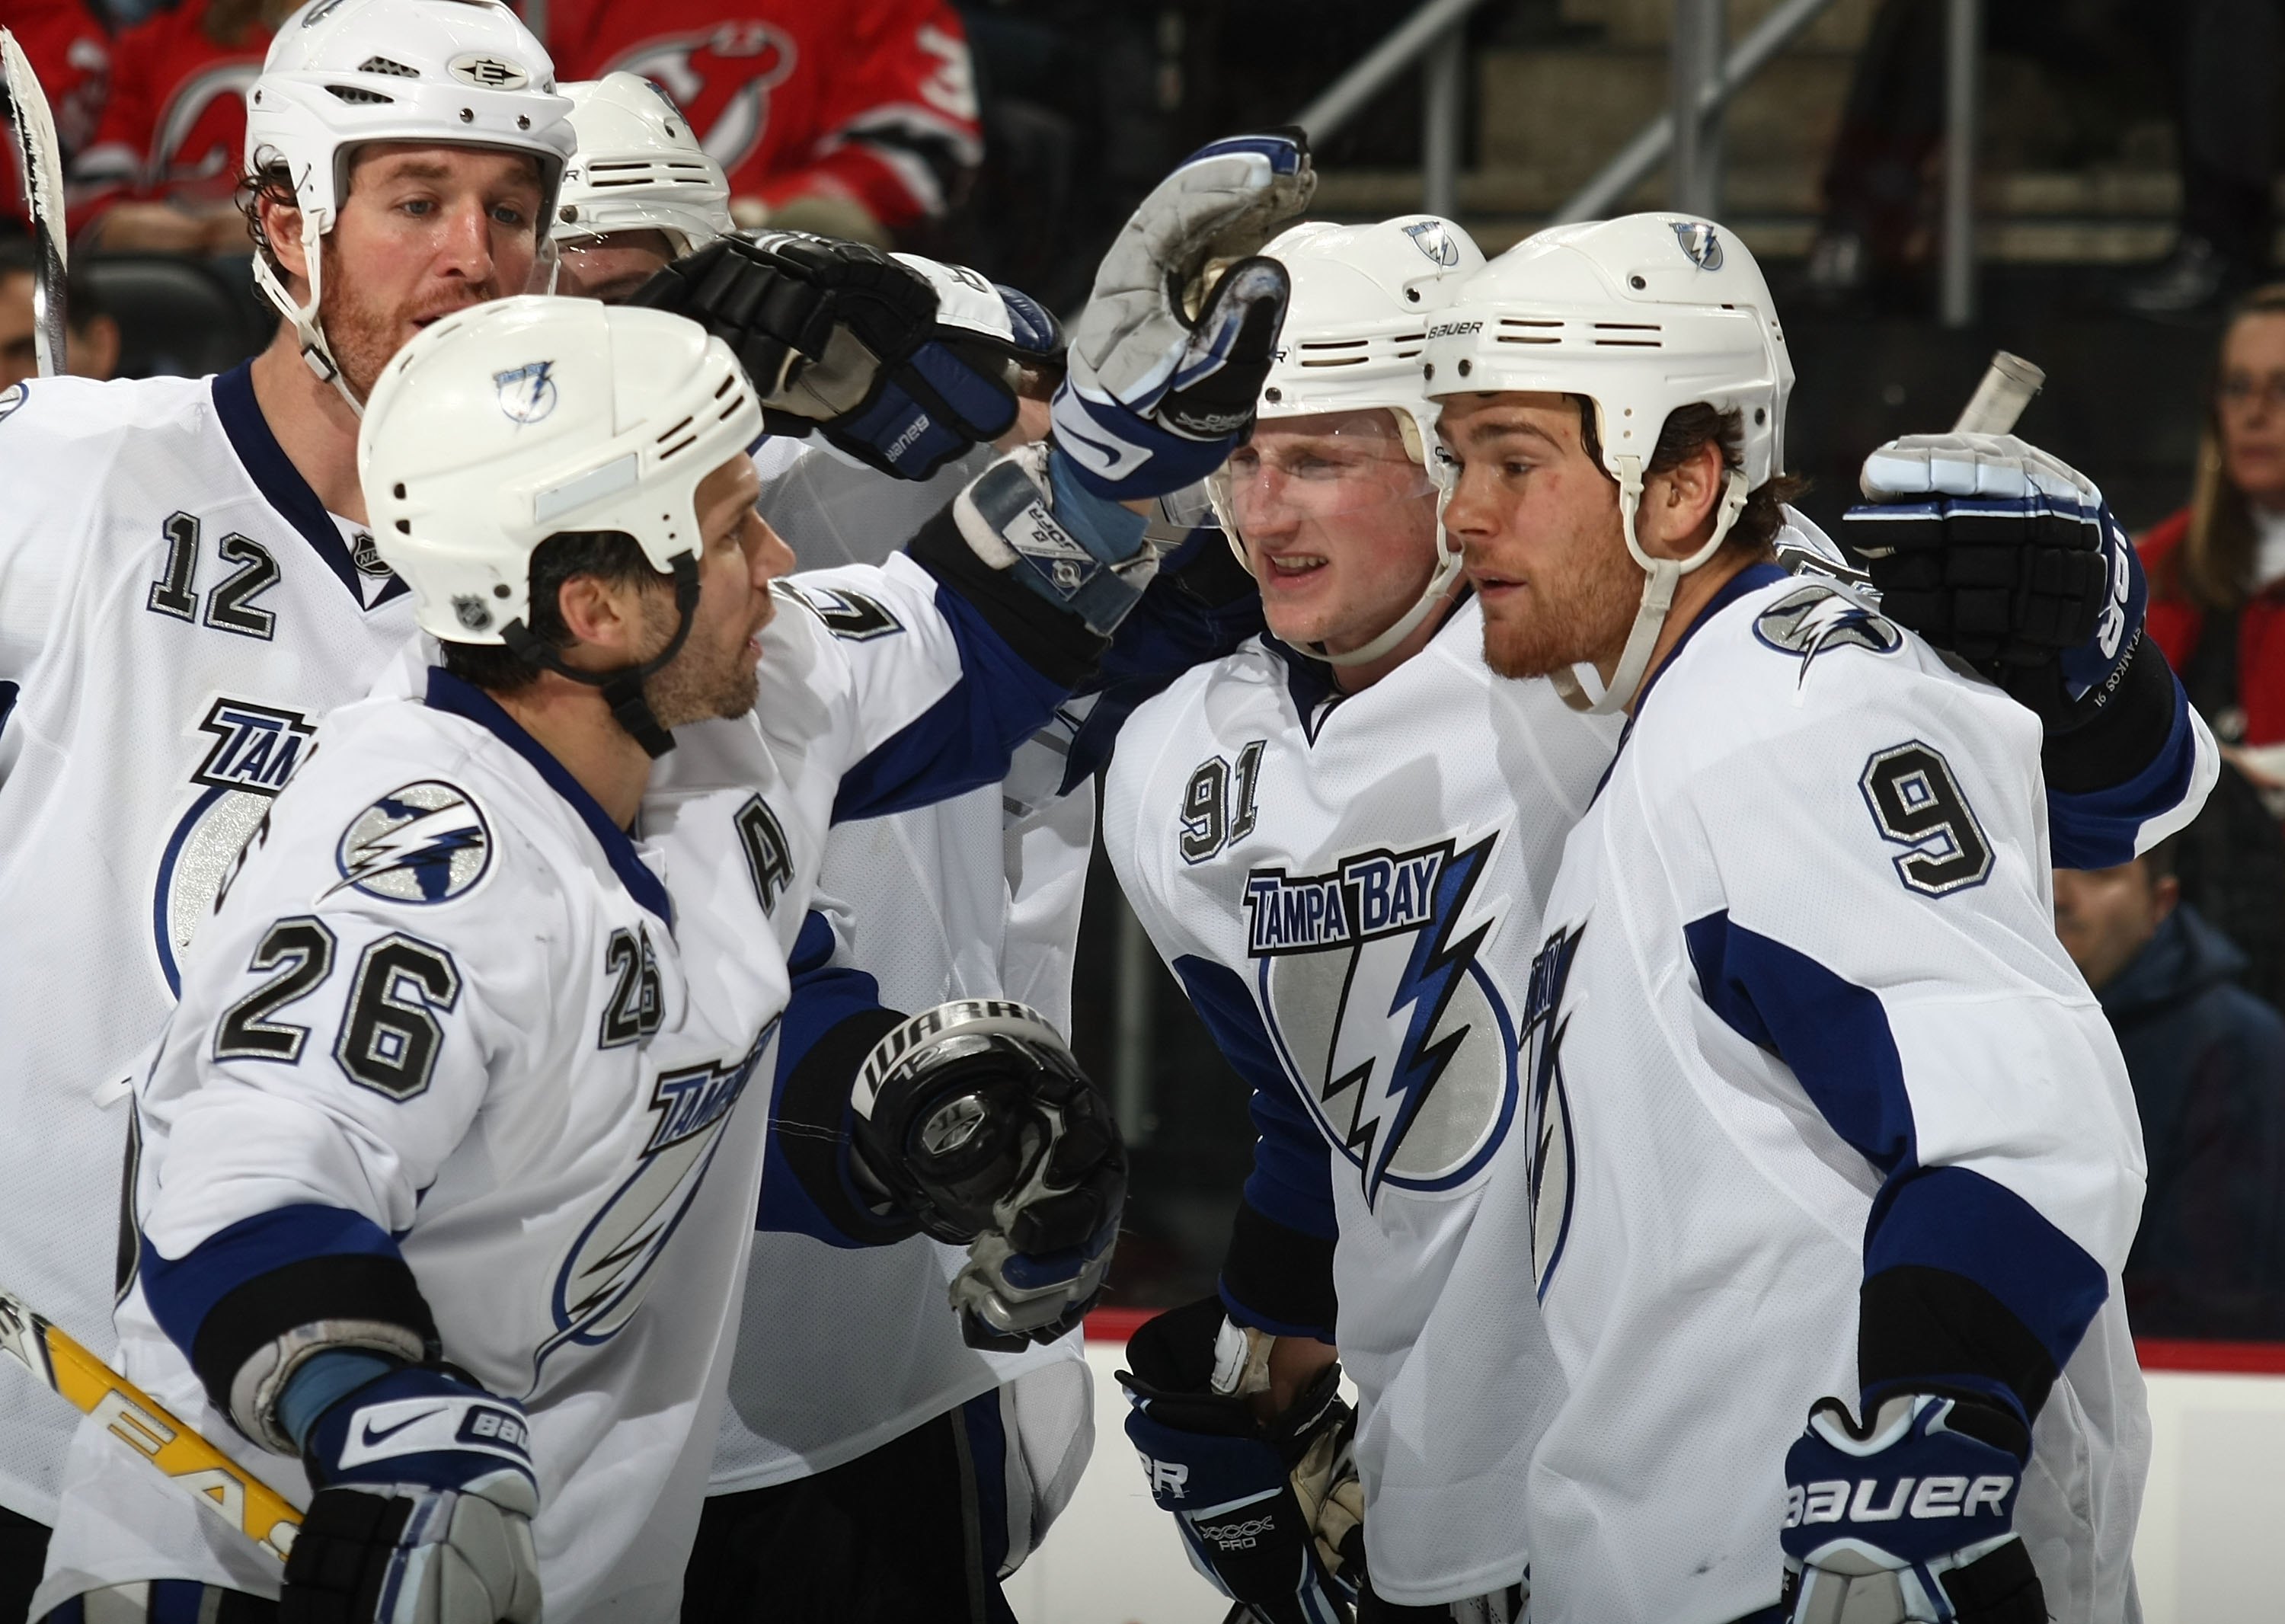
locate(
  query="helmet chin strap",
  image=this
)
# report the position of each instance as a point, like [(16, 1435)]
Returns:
[(305, 317), (1434, 595), (1661, 577), (623, 689)]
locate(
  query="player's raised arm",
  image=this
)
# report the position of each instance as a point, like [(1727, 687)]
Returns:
[(1998, 552)]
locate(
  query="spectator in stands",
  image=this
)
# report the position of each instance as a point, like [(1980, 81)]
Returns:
[(163, 172), (90, 335), (856, 118), (2223, 56), (70, 50), (2207, 1059), (2217, 574)]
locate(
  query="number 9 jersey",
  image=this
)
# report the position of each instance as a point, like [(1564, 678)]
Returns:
[(1815, 1097), (177, 612)]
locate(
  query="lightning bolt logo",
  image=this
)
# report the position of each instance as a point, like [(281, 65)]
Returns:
[(1815, 617), (527, 393), (426, 843), (1386, 946)]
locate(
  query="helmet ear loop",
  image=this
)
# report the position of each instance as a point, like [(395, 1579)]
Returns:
[(307, 328), (623, 689), (1661, 577)]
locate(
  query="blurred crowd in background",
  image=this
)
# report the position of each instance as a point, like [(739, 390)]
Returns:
[(1014, 135)]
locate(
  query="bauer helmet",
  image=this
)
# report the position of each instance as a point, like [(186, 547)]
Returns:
[(501, 426), (1363, 296), (1640, 315), (638, 167), (342, 74)]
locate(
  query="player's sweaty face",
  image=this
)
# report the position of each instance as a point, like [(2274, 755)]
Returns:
[(1339, 523), (1538, 521), (713, 674), (424, 232), (611, 268)]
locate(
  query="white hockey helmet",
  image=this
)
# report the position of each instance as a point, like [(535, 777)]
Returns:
[(502, 425), (1640, 315), (638, 167), (1354, 331), (342, 74)]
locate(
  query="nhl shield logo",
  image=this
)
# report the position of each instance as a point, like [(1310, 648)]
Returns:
[(1431, 238), (1700, 241), (424, 843), (527, 393)]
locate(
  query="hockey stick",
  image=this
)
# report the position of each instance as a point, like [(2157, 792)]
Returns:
[(39, 164), (2001, 394), (188, 1461)]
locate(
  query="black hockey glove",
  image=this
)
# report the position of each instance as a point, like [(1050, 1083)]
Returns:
[(901, 362), (974, 1118), (422, 1514), (1910, 1516), (1271, 1514), (1997, 553)]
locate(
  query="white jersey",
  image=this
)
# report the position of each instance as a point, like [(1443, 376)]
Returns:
[(843, 1349), (178, 612), (1349, 890), (580, 1256), (1799, 1016)]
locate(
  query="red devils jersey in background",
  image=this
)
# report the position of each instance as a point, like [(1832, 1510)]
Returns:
[(174, 127), (71, 53), (872, 100)]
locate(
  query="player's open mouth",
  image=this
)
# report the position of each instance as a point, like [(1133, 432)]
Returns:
[(1289, 564)]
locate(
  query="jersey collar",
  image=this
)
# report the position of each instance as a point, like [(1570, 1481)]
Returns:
[(1753, 578), (281, 483), (450, 694), (1309, 680)]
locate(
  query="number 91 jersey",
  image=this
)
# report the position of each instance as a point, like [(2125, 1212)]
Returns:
[(1349, 890), (177, 612)]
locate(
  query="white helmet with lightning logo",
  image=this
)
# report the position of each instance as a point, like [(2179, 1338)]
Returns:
[(342, 74), (1640, 315), (638, 168), (1363, 296), (506, 424)]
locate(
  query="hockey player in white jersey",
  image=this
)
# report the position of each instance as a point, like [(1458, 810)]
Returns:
[(1820, 1122), (453, 1174), (1004, 632), (640, 192), (1268, 816), (188, 584)]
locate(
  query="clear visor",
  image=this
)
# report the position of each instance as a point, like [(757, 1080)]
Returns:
[(610, 268), (1297, 474)]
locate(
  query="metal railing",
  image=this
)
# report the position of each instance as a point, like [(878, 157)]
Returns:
[(1689, 133)]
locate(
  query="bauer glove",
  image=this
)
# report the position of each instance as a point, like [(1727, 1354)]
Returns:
[(422, 1508), (1271, 1513), (1998, 552), (1909, 1518), (1168, 358), (900, 361), (974, 1118)]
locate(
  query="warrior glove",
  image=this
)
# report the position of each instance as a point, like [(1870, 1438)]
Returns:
[(422, 1508), (974, 1118), (1909, 1518), (1271, 1513), (900, 361), (1171, 351), (2001, 554)]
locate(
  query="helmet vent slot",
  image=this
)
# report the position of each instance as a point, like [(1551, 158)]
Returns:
[(1338, 361), (360, 96), (671, 433), (383, 65)]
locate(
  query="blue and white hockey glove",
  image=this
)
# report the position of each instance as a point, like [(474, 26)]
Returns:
[(1910, 1517), (1271, 1514), (422, 1508), (974, 1118), (1998, 552), (1163, 369), (902, 362)]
